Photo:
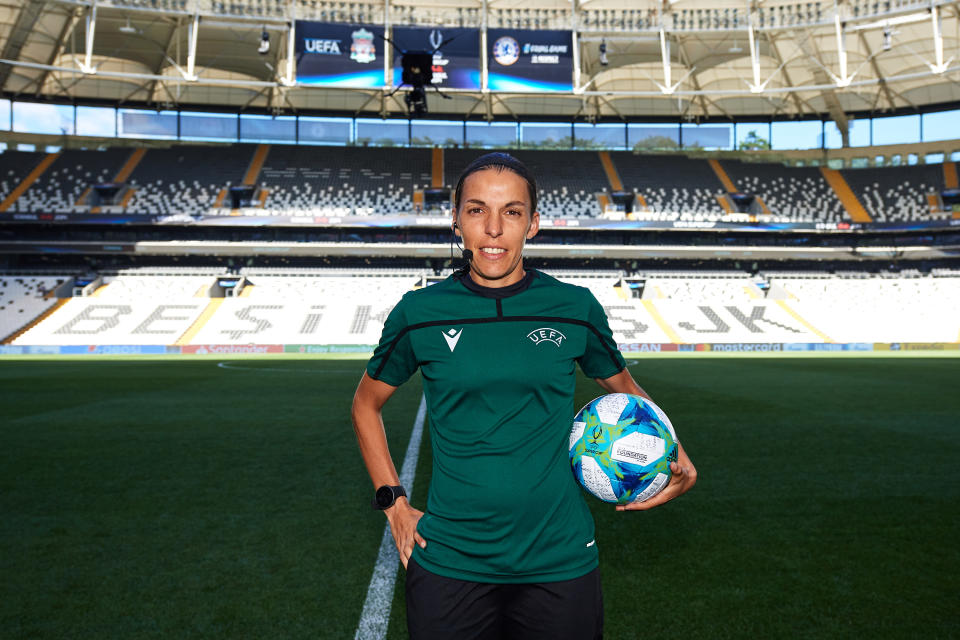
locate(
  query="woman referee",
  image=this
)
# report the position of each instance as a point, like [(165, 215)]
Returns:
[(506, 546)]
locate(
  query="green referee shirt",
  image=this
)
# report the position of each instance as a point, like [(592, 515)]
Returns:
[(499, 378)]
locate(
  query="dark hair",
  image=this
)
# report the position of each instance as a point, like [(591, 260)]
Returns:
[(499, 161)]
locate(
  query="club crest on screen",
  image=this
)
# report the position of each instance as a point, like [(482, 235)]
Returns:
[(362, 50)]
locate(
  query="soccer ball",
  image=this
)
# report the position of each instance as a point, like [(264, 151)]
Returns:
[(621, 447)]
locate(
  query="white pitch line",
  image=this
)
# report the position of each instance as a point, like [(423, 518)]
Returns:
[(237, 367), (376, 608)]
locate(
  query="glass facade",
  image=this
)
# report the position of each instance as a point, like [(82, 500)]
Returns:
[(599, 136), (436, 133), (96, 121), (896, 130), (383, 133), (753, 135), (490, 135), (706, 136), (801, 134), (215, 127), (653, 136), (4, 115), (137, 123), (859, 131), (337, 131), (56, 119), (279, 129), (52, 119), (546, 135), (944, 125)]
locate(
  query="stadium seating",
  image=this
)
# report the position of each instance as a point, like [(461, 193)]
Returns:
[(14, 167), (864, 308), (675, 187), (307, 308), (131, 308), (338, 181), (23, 298), (629, 320), (342, 181), (342, 308), (797, 194), (691, 308), (895, 194), (186, 180), (60, 188), (568, 180)]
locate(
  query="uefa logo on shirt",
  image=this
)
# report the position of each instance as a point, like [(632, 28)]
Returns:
[(546, 334)]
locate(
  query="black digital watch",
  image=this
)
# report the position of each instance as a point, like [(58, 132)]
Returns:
[(387, 495)]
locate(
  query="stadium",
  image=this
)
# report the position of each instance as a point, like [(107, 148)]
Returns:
[(209, 208)]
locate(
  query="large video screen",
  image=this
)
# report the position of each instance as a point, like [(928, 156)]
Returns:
[(340, 55), (456, 54), (522, 60)]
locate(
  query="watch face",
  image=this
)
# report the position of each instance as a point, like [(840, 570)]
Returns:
[(384, 497)]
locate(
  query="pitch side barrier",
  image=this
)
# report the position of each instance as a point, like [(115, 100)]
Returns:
[(748, 223), (627, 348)]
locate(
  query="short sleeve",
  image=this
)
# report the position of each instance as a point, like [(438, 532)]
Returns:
[(393, 360), (601, 357)]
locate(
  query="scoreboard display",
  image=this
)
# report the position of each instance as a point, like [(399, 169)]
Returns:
[(529, 61), (455, 53), (340, 55), (353, 56)]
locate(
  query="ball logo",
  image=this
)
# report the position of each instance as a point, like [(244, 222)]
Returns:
[(546, 334), (506, 51), (627, 453)]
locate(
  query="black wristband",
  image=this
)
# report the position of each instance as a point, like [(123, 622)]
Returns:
[(386, 496)]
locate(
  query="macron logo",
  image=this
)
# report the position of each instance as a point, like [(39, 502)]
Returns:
[(452, 337), (546, 334)]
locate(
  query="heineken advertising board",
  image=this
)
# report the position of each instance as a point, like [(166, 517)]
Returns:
[(340, 55)]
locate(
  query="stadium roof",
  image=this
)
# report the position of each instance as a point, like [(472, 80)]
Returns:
[(689, 59)]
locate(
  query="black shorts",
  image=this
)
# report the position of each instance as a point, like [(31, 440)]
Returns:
[(439, 608)]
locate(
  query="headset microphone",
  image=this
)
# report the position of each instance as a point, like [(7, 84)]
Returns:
[(466, 254)]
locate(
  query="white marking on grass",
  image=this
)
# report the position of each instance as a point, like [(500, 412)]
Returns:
[(237, 367), (376, 608)]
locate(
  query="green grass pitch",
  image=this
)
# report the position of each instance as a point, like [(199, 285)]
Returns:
[(205, 497)]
